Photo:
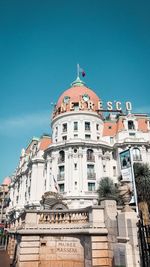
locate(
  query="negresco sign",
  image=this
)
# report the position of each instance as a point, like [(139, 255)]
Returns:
[(101, 106)]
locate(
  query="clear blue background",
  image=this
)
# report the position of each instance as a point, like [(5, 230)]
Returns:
[(41, 41)]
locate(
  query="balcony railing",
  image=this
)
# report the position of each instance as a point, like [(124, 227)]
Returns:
[(64, 217), (137, 157), (91, 158), (60, 176), (91, 175), (87, 129), (61, 160), (64, 130)]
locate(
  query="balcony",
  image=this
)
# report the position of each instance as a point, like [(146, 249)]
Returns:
[(60, 176), (61, 160), (91, 175), (91, 158), (137, 158)]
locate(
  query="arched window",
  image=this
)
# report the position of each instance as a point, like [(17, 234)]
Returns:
[(61, 156), (137, 154), (131, 125), (90, 155)]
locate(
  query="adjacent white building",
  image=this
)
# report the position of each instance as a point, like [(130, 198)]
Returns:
[(83, 148)]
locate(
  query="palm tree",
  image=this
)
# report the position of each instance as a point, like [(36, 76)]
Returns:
[(142, 180), (107, 189)]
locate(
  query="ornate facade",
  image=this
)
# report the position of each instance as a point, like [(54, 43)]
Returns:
[(83, 148)]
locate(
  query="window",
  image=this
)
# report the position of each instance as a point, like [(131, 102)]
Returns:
[(114, 155), (76, 106), (17, 198), (131, 125), (90, 168), (97, 127), (56, 131), (75, 135), (64, 137), (104, 168), (61, 172), (61, 156), (98, 138), (109, 127), (61, 187), (90, 155), (132, 134), (75, 150), (137, 154), (64, 127), (90, 171), (61, 169), (87, 126), (75, 166), (111, 140), (87, 136), (75, 185), (91, 187), (75, 126), (114, 171)]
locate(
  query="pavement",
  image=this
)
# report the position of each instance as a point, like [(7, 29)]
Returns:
[(4, 258)]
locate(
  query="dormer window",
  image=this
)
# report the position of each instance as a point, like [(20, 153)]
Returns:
[(76, 106), (131, 125)]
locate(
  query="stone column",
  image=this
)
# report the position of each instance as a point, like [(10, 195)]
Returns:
[(127, 250)]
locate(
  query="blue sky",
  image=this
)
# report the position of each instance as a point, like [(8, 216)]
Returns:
[(40, 44)]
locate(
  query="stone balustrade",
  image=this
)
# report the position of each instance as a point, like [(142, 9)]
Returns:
[(67, 217), (59, 219)]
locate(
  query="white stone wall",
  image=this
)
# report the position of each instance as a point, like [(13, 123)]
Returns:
[(41, 174), (80, 117)]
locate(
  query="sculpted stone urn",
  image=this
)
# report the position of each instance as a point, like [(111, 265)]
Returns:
[(125, 192)]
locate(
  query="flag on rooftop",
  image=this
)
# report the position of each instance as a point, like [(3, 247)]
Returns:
[(80, 71)]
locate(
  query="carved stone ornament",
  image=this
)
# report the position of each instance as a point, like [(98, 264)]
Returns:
[(52, 200), (125, 192)]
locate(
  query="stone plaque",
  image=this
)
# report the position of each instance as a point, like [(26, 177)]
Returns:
[(62, 248)]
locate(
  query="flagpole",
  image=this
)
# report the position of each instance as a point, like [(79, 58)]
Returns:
[(78, 72)]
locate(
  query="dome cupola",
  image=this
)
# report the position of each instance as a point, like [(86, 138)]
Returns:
[(77, 98)]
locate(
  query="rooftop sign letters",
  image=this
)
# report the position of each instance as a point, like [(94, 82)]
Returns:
[(87, 103)]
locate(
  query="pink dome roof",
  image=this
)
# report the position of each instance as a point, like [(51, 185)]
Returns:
[(76, 93), (6, 181)]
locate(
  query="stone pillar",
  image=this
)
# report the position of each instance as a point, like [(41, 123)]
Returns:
[(127, 250), (100, 251), (28, 252), (110, 214)]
